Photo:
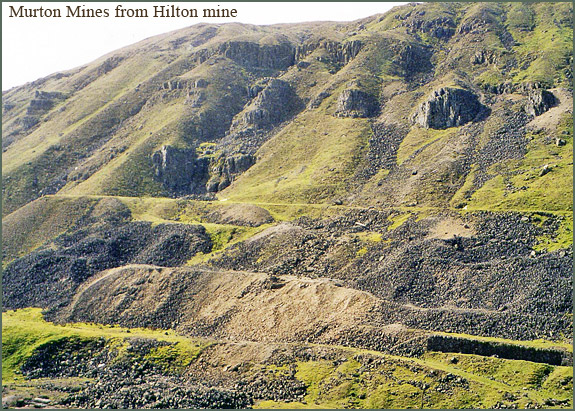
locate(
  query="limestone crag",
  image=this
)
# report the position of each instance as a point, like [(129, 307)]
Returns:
[(356, 103), (539, 101), (412, 59), (341, 53), (273, 101), (180, 169), (447, 107), (224, 170), (274, 56), (442, 27)]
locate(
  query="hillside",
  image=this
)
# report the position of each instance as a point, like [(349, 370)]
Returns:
[(307, 206)]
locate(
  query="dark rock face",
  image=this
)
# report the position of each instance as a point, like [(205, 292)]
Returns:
[(180, 169), (318, 99), (278, 56), (43, 101), (48, 276), (224, 171), (341, 53), (484, 57), (27, 122), (39, 106), (356, 103), (412, 59), (442, 28), (273, 101), (448, 107), (486, 348), (539, 101)]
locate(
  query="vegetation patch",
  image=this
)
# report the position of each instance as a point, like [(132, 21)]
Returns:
[(524, 184), (397, 220), (25, 330), (419, 137)]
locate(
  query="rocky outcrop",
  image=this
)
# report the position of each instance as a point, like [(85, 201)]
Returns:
[(196, 98), (180, 170), (273, 56), (224, 170), (356, 103), (43, 101), (539, 101), (442, 27), (412, 59), (341, 53), (27, 122), (273, 101), (180, 84), (316, 101), (447, 107), (484, 57)]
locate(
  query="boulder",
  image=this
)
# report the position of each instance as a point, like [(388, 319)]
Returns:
[(318, 99), (539, 101), (447, 107)]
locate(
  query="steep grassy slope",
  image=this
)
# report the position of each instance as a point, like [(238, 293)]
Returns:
[(290, 197), (93, 130)]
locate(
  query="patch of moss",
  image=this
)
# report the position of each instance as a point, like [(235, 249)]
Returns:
[(173, 358), (312, 373), (398, 219), (562, 238), (361, 252)]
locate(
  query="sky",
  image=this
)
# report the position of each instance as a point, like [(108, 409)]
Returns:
[(36, 47)]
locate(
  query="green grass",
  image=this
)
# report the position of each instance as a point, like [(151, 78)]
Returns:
[(370, 237), (545, 49), (343, 384), (562, 238), (532, 191), (308, 161), (419, 137), (538, 380), (397, 220), (490, 77), (25, 330), (393, 384)]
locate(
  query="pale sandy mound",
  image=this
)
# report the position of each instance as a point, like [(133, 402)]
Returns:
[(233, 305), (240, 214)]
